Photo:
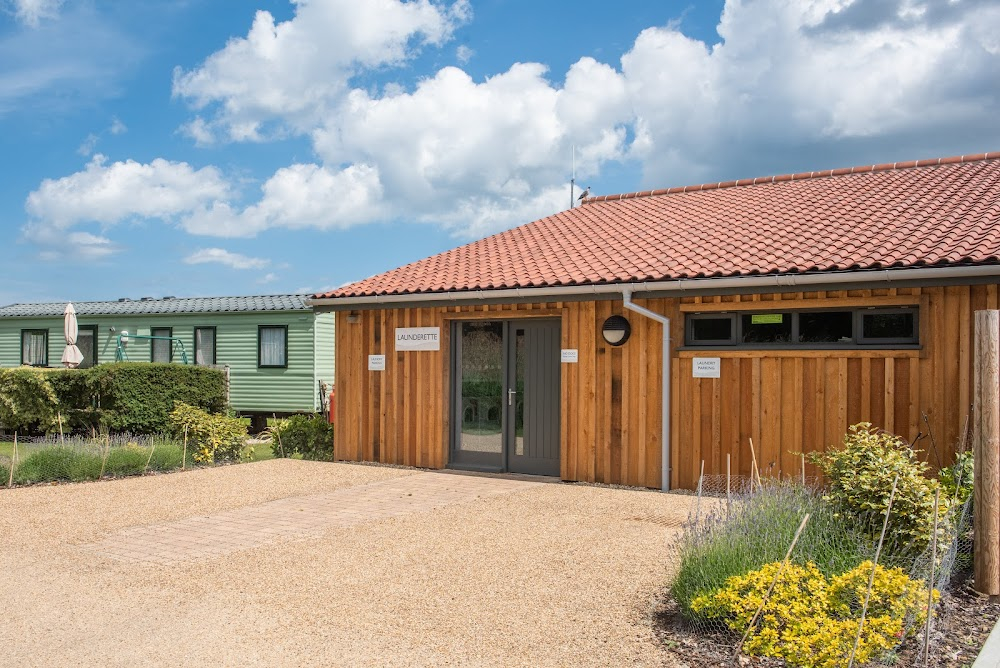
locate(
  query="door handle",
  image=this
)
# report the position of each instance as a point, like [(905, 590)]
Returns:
[(510, 397)]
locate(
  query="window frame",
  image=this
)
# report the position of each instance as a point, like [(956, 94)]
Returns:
[(152, 344), (215, 344), (94, 329), (260, 328), (859, 324), (689, 329), (858, 341), (45, 334)]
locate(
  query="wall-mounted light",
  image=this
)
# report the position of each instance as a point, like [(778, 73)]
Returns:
[(353, 317), (616, 330)]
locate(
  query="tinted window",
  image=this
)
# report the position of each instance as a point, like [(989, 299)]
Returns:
[(767, 328), (826, 327), (891, 325), (712, 330)]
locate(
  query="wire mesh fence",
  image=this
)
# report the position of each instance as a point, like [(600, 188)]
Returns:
[(842, 597)]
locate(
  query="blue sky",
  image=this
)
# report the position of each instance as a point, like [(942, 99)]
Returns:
[(217, 147)]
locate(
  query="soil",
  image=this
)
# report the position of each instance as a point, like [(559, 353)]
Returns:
[(964, 619)]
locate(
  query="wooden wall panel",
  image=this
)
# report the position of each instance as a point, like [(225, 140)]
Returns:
[(787, 401)]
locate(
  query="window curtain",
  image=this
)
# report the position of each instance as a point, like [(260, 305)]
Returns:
[(33, 346), (161, 348), (204, 346), (272, 346)]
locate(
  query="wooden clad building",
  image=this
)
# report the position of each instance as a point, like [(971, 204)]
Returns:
[(780, 309)]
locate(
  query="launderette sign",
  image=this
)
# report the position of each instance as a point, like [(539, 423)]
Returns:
[(418, 338)]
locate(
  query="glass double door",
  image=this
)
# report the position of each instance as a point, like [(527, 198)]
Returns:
[(505, 404)]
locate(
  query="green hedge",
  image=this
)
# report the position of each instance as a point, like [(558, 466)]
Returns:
[(138, 396), (134, 397)]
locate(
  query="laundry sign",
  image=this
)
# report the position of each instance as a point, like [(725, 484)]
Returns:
[(376, 362), (418, 338), (706, 367)]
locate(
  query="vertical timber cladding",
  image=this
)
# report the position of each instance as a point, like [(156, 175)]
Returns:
[(787, 401), (610, 411), (791, 401)]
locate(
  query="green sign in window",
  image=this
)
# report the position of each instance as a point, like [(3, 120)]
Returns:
[(767, 319)]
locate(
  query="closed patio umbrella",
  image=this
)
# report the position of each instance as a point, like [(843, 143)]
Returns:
[(72, 356)]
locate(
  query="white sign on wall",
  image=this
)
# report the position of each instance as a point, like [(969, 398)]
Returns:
[(706, 367), (376, 362), (418, 338), (571, 355)]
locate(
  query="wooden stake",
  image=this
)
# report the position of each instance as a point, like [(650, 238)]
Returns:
[(930, 580), (185, 455), (107, 451), (871, 576), (729, 498), (277, 433), (701, 482), (152, 449), (13, 462), (754, 471), (59, 415), (803, 455), (986, 451), (767, 595)]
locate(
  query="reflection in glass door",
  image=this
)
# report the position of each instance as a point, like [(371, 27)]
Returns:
[(481, 388), (507, 403)]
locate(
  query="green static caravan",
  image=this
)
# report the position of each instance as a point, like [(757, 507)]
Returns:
[(278, 352)]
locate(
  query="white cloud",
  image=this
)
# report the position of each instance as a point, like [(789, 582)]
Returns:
[(267, 278), (294, 71), (32, 12), (88, 145), (224, 257), (108, 194), (791, 85), (464, 53), (801, 83), (117, 127), (477, 156), (298, 196)]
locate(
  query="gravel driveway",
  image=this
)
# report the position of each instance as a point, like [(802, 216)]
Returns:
[(381, 567)]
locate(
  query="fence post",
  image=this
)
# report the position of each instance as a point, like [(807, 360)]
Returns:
[(986, 449)]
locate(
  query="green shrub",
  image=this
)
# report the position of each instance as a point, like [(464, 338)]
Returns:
[(811, 621), (308, 435), (27, 400), (166, 457), (759, 531), (860, 477), (956, 480), (76, 395), (58, 463), (139, 396), (211, 438), (4, 473), (127, 460)]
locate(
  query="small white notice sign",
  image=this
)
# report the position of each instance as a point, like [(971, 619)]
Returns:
[(376, 362), (418, 338), (706, 367), (571, 355)]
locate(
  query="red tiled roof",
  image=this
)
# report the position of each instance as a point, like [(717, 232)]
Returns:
[(928, 212)]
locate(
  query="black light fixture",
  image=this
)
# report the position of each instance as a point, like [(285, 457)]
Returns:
[(616, 330)]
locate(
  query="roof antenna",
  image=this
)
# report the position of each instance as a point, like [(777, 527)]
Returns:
[(572, 181)]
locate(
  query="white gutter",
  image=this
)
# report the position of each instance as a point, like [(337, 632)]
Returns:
[(665, 390), (678, 286)]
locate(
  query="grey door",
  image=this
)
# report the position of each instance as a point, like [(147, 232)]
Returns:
[(533, 398), (506, 396)]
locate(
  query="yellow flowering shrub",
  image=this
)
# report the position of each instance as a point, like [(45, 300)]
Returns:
[(812, 622)]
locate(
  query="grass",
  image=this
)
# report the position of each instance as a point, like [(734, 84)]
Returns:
[(759, 531)]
